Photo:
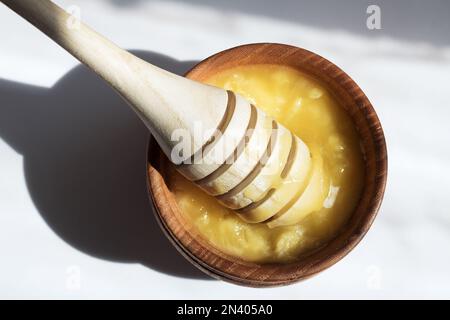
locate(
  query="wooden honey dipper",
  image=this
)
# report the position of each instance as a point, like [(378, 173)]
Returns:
[(249, 162)]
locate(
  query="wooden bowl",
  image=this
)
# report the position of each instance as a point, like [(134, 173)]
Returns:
[(225, 267)]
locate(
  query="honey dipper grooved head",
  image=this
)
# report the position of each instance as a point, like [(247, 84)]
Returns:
[(264, 170)]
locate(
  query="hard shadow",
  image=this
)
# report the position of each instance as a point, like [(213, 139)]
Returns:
[(415, 20), (84, 159)]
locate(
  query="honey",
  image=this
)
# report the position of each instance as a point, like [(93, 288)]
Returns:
[(321, 199)]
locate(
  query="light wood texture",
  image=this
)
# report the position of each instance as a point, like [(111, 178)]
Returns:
[(222, 266), (219, 126), (164, 101), (167, 103)]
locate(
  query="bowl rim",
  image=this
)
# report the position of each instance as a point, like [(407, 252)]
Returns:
[(160, 195)]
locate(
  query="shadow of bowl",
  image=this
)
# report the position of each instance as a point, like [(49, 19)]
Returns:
[(84, 155)]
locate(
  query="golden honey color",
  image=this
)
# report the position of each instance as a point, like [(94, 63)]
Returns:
[(310, 111)]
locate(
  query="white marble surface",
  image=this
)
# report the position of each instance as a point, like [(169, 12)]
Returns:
[(74, 219)]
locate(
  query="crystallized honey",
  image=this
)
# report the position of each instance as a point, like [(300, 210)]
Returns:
[(335, 180)]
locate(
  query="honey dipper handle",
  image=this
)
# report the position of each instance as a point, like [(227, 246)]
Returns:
[(83, 43), (164, 101)]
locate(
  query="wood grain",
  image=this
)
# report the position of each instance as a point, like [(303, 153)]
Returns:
[(222, 266), (156, 95), (196, 125)]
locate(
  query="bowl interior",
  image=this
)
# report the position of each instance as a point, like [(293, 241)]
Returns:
[(220, 265)]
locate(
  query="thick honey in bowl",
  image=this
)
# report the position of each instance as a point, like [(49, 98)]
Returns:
[(314, 200)]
